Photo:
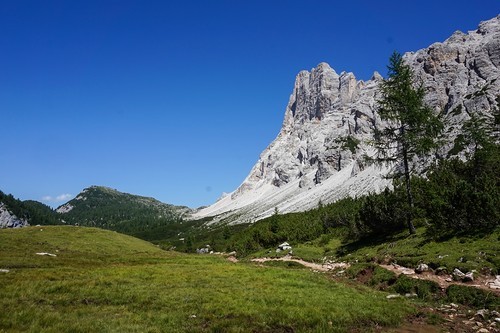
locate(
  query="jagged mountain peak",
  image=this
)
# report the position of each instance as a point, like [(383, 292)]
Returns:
[(328, 122)]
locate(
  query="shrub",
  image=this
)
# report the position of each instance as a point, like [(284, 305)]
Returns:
[(473, 297), (423, 288)]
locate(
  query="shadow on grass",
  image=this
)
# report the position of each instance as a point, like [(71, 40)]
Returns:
[(371, 241)]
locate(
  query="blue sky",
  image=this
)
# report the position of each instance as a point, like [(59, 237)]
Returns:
[(177, 99)]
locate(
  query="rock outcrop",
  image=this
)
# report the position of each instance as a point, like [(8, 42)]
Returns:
[(9, 220), (329, 121)]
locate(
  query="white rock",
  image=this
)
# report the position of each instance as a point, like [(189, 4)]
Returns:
[(46, 254), (421, 268), (458, 274)]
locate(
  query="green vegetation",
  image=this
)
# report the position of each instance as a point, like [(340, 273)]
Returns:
[(102, 281), (457, 202), (412, 128), (371, 275), (35, 212), (463, 252), (473, 297), (106, 208), (425, 291), (348, 143)]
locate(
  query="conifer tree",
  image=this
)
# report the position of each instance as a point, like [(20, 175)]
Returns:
[(411, 128)]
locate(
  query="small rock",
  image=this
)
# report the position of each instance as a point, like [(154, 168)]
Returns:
[(421, 268), (453, 305), (4, 271), (46, 254), (469, 277), (192, 316), (483, 313), (495, 284), (483, 330), (497, 320), (391, 296), (283, 247), (458, 275), (412, 295)]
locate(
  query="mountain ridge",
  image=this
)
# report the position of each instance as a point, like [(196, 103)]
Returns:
[(104, 207), (328, 122)]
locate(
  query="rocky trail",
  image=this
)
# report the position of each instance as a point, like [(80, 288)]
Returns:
[(326, 267), (444, 280)]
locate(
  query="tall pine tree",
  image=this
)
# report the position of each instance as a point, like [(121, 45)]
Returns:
[(411, 128)]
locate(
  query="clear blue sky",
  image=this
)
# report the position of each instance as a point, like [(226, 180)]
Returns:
[(177, 99)]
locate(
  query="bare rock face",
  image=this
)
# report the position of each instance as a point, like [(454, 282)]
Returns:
[(9, 220), (461, 75), (329, 121)]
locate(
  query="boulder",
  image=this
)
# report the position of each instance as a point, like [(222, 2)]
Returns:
[(457, 274), (284, 246), (468, 277), (422, 268)]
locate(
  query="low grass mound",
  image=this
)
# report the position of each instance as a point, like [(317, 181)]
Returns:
[(72, 246), (473, 297), (102, 281)]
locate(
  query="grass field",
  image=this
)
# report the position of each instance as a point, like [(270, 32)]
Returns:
[(102, 281)]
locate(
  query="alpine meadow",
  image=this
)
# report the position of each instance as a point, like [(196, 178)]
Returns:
[(374, 209)]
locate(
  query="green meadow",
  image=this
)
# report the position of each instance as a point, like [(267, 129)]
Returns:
[(103, 281)]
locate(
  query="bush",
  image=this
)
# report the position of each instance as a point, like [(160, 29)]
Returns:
[(382, 214), (464, 197), (372, 275), (473, 297), (424, 289)]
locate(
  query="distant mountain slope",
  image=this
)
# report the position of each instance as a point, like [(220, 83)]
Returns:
[(15, 213), (329, 120), (103, 207)]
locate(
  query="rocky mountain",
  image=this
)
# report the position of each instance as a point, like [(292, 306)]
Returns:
[(329, 120), (108, 208), (9, 220), (15, 213)]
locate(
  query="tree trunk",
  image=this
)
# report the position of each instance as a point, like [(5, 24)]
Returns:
[(409, 194)]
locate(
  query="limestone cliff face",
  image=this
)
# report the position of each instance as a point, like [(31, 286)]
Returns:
[(9, 220), (461, 75), (329, 120)]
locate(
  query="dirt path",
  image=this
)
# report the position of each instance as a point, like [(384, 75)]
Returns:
[(443, 280), (317, 267)]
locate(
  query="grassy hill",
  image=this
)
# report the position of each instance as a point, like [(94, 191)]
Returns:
[(103, 207), (103, 281)]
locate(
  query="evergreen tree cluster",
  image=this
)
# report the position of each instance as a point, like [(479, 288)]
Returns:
[(456, 198), (35, 212), (130, 214)]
